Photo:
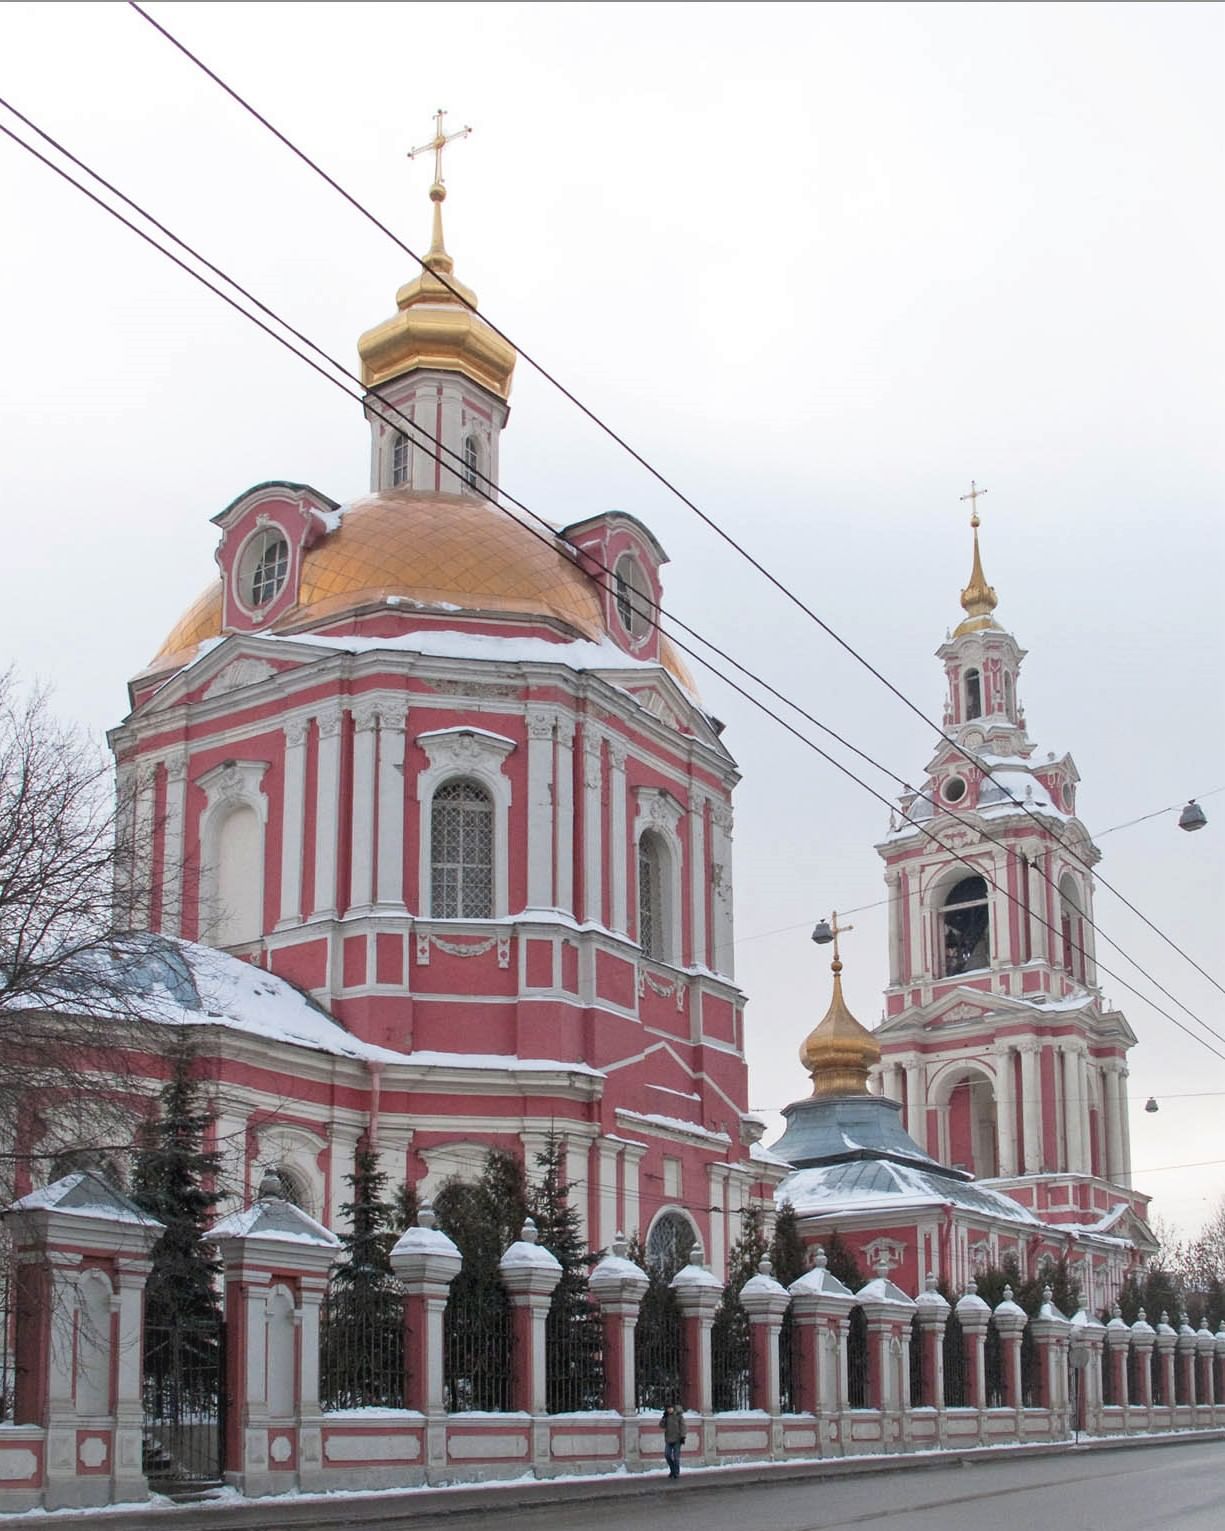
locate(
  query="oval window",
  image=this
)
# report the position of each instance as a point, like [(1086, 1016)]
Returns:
[(954, 789), (265, 567)]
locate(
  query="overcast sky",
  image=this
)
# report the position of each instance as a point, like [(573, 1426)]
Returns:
[(821, 264)]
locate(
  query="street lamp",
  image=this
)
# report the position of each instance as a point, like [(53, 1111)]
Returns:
[(1192, 817)]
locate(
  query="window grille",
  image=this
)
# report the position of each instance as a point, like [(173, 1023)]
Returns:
[(634, 604), (401, 460), (857, 1360), (650, 898), (669, 1244), (462, 852), (268, 562)]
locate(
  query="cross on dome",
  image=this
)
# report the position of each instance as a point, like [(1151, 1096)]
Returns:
[(978, 599), (436, 256)]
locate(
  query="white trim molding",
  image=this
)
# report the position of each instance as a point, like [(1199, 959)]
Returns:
[(479, 755)]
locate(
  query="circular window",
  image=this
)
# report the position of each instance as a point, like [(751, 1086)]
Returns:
[(954, 789), (634, 602), (265, 567)]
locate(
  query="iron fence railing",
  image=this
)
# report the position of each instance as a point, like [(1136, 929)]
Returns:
[(993, 1366), (1135, 1391), (730, 1358), (477, 1348), (1158, 1375), (1029, 1369), (1109, 1391), (788, 1392), (8, 1361), (574, 1355), (184, 1398), (361, 1345), (918, 1365), (954, 1364), (658, 1353), (857, 1360)]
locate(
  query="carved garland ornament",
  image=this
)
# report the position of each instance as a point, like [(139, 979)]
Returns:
[(426, 939)]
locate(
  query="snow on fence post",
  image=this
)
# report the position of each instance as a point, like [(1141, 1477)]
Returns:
[(973, 1314), (765, 1301), (1088, 1334), (933, 1313), (1118, 1343), (426, 1262), (1218, 1347), (1185, 1351), (275, 1261), (1204, 1350), (81, 1252), (529, 1273), (1010, 1320), (1167, 1339), (822, 1306), (1051, 1332), (1143, 1338), (888, 1311), (697, 1296), (617, 1286)]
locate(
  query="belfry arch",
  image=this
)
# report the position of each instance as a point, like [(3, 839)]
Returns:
[(964, 1096)]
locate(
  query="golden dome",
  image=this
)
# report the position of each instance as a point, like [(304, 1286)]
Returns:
[(433, 327), (978, 599), (435, 550), (839, 1053)]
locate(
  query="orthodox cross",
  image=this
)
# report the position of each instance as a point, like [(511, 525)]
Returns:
[(438, 143), (838, 930), (973, 495), (829, 930)]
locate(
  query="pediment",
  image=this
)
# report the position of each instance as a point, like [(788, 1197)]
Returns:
[(233, 664)]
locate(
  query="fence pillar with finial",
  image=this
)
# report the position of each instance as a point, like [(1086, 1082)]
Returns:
[(1167, 1340), (1218, 1357), (1010, 1320), (529, 1273), (617, 1285), (933, 1312), (1185, 1352), (426, 1262), (1087, 1336), (765, 1301), (888, 1311), (1204, 1350), (973, 1314), (1143, 1338), (1051, 1332), (1118, 1345), (822, 1306), (697, 1296)]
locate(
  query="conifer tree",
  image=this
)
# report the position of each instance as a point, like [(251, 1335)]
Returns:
[(787, 1252), (572, 1332), (729, 1335), (842, 1263), (176, 1179), (362, 1356), (405, 1206)]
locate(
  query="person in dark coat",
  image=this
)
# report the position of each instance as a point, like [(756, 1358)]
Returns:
[(673, 1426)]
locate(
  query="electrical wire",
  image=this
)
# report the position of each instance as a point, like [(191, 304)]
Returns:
[(550, 541), (782, 588)]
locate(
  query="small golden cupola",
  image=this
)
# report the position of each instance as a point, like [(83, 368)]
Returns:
[(978, 599), (839, 1052)]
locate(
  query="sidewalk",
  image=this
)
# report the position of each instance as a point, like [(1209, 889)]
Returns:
[(362, 1508)]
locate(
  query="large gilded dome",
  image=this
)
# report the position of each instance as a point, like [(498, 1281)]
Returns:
[(442, 552)]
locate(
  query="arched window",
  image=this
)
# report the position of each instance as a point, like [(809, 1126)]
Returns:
[(1009, 705), (1071, 929), (974, 694), (472, 461), (401, 460), (669, 1244), (652, 897), (966, 928), (634, 604), (461, 845)]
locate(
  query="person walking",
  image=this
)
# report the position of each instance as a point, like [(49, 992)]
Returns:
[(673, 1426)]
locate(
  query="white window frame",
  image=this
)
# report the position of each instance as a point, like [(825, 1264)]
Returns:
[(659, 811), (246, 561), (479, 755), (400, 440)]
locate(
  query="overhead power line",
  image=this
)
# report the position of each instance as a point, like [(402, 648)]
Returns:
[(550, 540), (708, 520)]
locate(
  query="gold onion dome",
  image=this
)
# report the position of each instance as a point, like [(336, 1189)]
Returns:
[(978, 599), (436, 325), (839, 1053)]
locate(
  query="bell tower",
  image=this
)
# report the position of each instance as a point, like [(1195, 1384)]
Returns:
[(996, 1037)]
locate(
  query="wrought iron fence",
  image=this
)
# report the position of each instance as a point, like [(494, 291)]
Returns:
[(658, 1349), (1135, 1392), (857, 1360), (730, 1357), (477, 1348), (361, 1344), (184, 1399), (574, 1355), (788, 1392), (954, 1364), (1157, 1373), (918, 1365), (8, 1363), (993, 1366), (1109, 1391), (1029, 1369), (1180, 1380)]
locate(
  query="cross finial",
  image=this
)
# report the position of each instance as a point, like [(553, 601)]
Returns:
[(837, 930), (973, 495), (438, 143)]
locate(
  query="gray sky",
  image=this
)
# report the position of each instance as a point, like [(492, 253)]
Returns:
[(821, 264)]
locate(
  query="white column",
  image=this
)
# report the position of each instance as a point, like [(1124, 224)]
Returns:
[(1071, 1109), (390, 875), (540, 810), (565, 817), (697, 876), (361, 859), (593, 861), (1006, 1110), (892, 885), (172, 845), (916, 1101), (631, 1219), (142, 844), (327, 811), (1114, 1126), (1031, 1107), (1040, 936), (1082, 1110), (1123, 1174), (607, 1154), (577, 1172), (618, 863), (293, 819), (723, 956), (920, 962)]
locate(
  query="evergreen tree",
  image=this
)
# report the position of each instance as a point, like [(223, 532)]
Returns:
[(405, 1206), (729, 1335), (657, 1345), (176, 1180), (1154, 1289), (787, 1252), (842, 1263), (362, 1355), (572, 1331)]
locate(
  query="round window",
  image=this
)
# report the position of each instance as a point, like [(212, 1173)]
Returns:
[(954, 789), (265, 567)]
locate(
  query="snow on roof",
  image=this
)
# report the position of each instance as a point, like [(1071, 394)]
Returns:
[(762, 1155), (85, 1193), (277, 1220), (880, 1184), (674, 1124), (576, 653)]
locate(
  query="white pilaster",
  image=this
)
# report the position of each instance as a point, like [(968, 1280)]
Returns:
[(723, 955), (578, 1175), (1040, 936), (1082, 1110), (327, 811), (540, 810), (293, 819), (1071, 1110), (361, 858), (1031, 1107), (916, 1101), (697, 877), (1114, 1126), (142, 844), (390, 875), (631, 1216), (618, 852), (172, 845), (1124, 1171), (593, 862), (607, 1156), (565, 817), (892, 884), (1006, 1110)]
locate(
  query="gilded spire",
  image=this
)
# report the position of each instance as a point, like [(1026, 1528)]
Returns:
[(436, 257), (978, 599), (839, 1053)]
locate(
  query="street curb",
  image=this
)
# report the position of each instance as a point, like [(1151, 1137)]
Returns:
[(320, 1512)]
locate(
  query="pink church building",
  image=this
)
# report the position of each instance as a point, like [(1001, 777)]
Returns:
[(429, 762)]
